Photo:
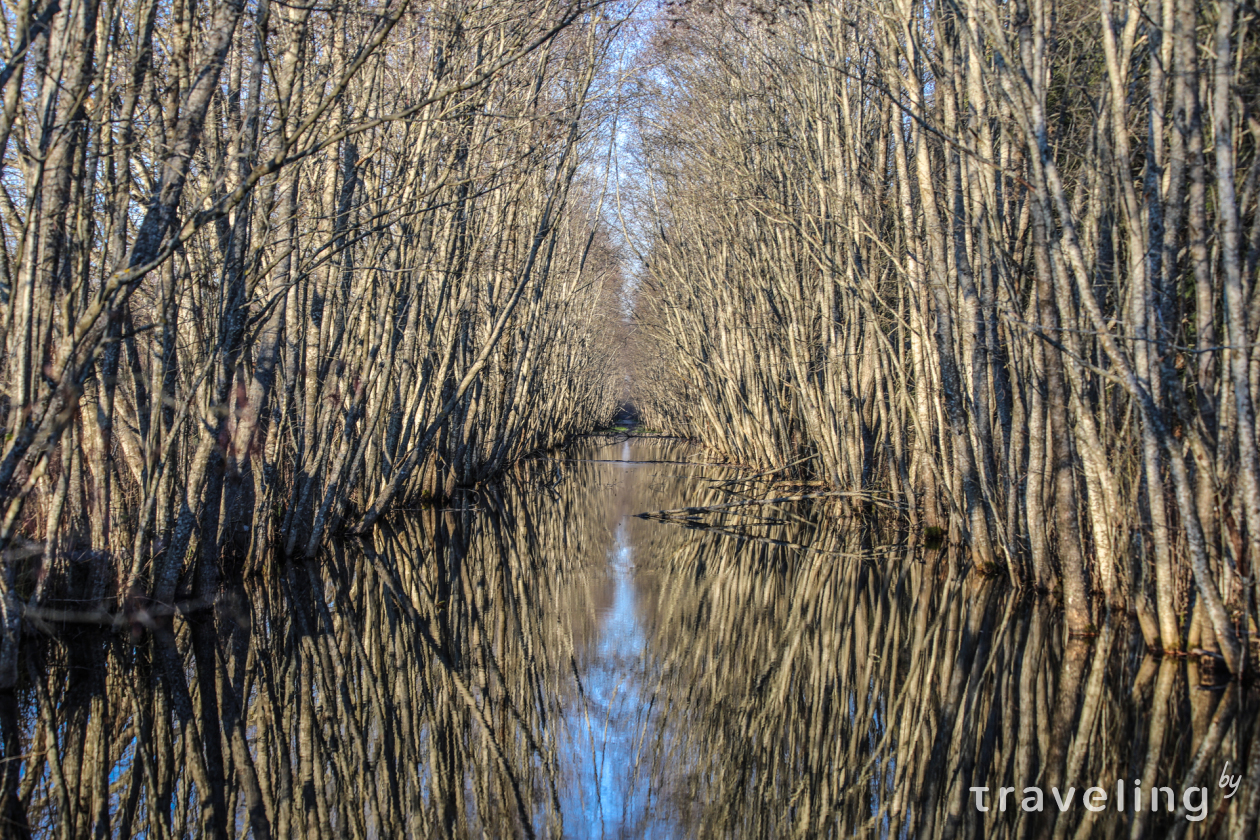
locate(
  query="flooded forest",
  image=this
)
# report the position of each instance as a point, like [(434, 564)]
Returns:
[(629, 418)]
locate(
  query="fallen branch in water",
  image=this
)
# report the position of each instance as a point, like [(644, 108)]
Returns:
[(636, 461), (697, 525), (142, 615), (799, 497)]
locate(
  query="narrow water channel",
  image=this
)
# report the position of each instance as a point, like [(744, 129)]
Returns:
[(535, 660)]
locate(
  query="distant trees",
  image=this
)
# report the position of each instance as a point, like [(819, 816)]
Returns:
[(997, 257), (269, 268)]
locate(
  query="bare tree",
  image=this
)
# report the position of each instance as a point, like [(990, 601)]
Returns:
[(269, 270), (960, 254)]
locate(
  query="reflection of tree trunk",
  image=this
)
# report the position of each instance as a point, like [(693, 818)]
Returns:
[(1202, 766), (1250, 805), (953, 757), (1027, 749), (242, 763), (1155, 737), (1071, 673), (206, 775), (12, 808), (427, 682)]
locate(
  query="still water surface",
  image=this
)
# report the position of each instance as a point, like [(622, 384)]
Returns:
[(535, 660)]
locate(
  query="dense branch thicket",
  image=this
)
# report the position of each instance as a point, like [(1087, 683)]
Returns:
[(998, 258), (268, 268)]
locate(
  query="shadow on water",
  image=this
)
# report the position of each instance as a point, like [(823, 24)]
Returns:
[(537, 661)]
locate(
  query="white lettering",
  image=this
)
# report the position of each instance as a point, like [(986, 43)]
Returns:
[(1194, 813), (1228, 781)]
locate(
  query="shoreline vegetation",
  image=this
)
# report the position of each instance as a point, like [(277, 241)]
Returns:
[(270, 272), (269, 269), (356, 694), (997, 261)]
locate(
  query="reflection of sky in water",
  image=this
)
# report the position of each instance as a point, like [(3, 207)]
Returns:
[(603, 725), (600, 723), (631, 679), (608, 717)]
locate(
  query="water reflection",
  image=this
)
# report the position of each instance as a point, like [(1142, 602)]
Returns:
[(535, 661)]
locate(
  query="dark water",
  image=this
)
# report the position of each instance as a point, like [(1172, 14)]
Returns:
[(535, 660)]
